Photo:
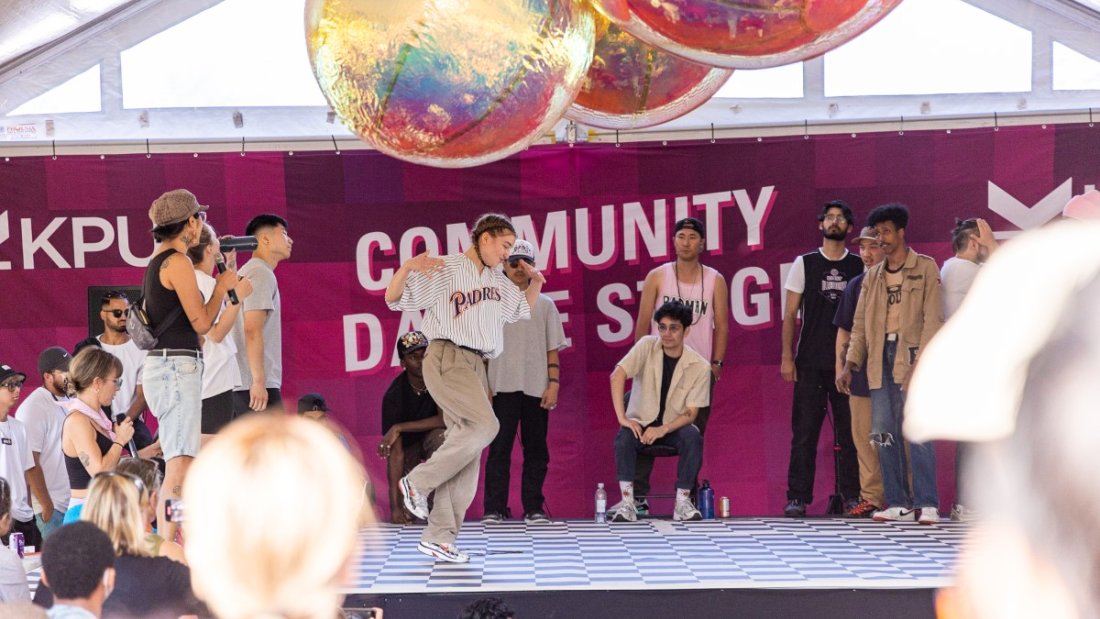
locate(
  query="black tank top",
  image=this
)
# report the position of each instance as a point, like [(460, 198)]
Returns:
[(160, 302), (78, 475)]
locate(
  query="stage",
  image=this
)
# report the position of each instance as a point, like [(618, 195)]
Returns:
[(745, 567)]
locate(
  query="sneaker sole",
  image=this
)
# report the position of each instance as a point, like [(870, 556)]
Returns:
[(406, 496), (695, 518), (435, 554)]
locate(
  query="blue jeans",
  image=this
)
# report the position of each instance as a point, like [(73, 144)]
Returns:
[(173, 389), (47, 527), (887, 405), (687, 441)]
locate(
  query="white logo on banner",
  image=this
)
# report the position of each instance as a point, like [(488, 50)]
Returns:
[(1028, 217)]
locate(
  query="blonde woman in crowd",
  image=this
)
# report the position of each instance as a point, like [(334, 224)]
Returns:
[(147, 471), (256, 498)]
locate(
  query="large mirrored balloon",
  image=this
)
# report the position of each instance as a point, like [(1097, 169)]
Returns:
[(747, 34), (449, 83), (631, 84)]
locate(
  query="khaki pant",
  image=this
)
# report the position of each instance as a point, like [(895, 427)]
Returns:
[(870, 473), (456, 379)]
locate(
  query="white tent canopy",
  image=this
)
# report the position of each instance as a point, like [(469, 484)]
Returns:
[(109, 75)]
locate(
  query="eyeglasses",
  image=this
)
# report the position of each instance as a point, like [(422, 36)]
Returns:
[(133, 478), (117, 382), (117, 313), (12, 385), (672, 328), (834, 218)]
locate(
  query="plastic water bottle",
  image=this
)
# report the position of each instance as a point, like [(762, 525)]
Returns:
[(601, 504), (706, 501)]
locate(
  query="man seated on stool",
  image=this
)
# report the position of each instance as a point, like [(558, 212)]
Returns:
[(671, 384), (411, 422)]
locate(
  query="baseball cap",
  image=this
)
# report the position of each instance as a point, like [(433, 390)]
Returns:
[(523, 249), (413, 340), (312, 402), (54, 358), (691, 223), (173, 207), (7, 372), (867, 233)]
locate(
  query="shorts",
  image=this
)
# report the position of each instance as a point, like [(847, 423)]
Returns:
[(217, 412), (241, 399), (173, 390)]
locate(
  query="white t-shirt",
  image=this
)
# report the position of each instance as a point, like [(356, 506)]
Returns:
[(43, 416), (220, 372), (796, 277), (956, 276), (15, 461), (132, 358)]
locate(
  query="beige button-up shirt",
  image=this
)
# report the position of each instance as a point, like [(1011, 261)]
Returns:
[(690, 386)]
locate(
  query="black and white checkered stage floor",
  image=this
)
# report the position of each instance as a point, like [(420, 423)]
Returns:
[(746, 553)]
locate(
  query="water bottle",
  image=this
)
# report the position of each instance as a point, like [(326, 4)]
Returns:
[(601, 504), (706, 501)]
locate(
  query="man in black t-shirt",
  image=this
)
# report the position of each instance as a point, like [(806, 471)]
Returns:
[(412, 425), (814, 285)]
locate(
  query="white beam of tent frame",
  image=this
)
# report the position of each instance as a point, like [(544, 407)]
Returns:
[(313, 128)]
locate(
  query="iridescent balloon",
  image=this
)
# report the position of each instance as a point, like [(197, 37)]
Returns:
[(748, 34), (449, 83), (632, 85)]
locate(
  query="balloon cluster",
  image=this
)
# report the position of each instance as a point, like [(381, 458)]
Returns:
[(458, 83)]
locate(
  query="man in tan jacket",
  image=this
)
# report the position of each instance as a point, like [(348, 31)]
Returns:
[(899, 310)]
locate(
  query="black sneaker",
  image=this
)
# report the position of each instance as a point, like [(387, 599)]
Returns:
[(536, 517), (795, 509), (492, 518)]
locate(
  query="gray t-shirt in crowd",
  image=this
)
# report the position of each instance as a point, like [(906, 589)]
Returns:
[(522, 365), (264, 297)]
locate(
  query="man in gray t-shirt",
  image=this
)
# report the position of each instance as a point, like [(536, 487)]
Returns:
[(259, 329), (524, 382)]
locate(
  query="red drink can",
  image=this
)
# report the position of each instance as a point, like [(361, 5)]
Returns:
[(724, 507), (17, 543)]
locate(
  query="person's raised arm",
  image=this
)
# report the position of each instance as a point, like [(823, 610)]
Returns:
[(423, 263)]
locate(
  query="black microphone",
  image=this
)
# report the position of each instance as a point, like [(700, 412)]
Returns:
[(220, 263), (133, 446)]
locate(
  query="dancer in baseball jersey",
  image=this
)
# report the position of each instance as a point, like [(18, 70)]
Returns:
[(467, 300)]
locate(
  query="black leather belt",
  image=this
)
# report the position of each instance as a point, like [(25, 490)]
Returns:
[(466, 348), (176, 352)]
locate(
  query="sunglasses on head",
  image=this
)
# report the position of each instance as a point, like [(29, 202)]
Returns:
[(133, 478)]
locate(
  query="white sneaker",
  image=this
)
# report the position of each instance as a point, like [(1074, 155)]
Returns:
[(685, 511), (961, 513), (415, 502), (929, 515), (443, 552), (894, 514), (624, 511)]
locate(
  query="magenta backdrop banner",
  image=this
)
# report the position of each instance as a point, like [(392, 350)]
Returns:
[(601, 217)]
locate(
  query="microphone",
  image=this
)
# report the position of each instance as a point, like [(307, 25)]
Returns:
[(219, 262), (133, 446)]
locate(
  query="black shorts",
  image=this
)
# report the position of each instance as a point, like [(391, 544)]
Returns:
[(240, 401), (217, 412)]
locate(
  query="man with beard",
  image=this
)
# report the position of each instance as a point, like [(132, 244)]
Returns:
[(412, 425), (814, 286), (114, 307), (43, 414), (704, 291)]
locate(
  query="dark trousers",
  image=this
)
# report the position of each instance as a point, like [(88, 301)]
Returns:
[(517, 410), (241, 399), (31, 535), (644, 467), (814, 389), (688, 441)]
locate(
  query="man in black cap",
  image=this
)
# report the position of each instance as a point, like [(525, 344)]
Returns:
[(412, 425), (15, 457), (704, 290), (43, 414)]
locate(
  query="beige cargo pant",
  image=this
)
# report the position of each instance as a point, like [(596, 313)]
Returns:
[(457, 382), (870, 472)]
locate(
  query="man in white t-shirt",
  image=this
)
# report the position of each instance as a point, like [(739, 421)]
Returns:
[(114, 307), (15, 457), (43, 415)]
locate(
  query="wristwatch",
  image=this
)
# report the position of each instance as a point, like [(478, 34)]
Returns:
[(717, 362)]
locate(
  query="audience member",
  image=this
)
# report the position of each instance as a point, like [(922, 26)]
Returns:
[(90, 443), (412, 426), (78, 568), (114, 309), (22, 609), (487, 608), (220, 373), (173, 370), (898, 312), (274, 506), (524, 380), (314, 407), (147, 472), (704, 290), (13, 579), (871, 494), (671, 384), (16, 460), (258, 333), (43, 414), (814, 286)]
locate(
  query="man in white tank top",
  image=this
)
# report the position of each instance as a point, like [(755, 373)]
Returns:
[(704, 290)]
